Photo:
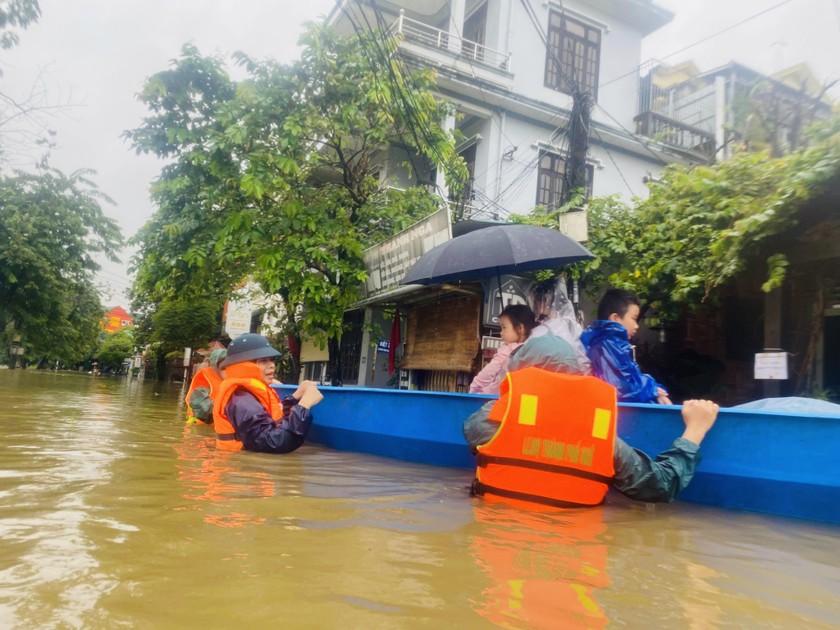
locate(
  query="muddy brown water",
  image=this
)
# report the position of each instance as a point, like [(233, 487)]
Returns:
[(114, 515)]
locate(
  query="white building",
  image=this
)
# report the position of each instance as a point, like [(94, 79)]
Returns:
[(497, 61), (510, 67)]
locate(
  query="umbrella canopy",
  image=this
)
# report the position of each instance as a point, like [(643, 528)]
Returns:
[(491, 251)]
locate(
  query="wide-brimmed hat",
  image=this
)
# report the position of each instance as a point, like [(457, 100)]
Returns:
[(248, 347)]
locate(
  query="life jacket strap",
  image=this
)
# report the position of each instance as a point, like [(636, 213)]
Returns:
[(226, 437), (478, 489), (482, 460)]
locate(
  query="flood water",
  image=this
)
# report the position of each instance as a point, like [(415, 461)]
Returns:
[(114, 515)]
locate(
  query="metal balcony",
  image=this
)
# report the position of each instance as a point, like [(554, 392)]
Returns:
[(429, 36)]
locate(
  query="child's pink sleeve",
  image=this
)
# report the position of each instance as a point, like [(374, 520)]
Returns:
[(490, 378)]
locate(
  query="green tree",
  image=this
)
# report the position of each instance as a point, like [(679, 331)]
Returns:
[(182, 324), (276, 177), (115, 349), (702, 226), (51, 227)]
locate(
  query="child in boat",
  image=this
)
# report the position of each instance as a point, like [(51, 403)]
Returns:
[(517, 321), (607, 342)]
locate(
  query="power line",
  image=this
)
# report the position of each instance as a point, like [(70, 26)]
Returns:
[(615, 164), (701, 41), (371, 61), (535, 22), (119, 277), (403, 79)]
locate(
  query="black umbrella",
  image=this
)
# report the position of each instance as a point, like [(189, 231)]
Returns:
[(492, 251)]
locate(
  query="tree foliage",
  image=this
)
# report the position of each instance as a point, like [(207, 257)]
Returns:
[(115, 349), (276, 177), (701, 226), (51, 226), (16, 14), (184, 324)]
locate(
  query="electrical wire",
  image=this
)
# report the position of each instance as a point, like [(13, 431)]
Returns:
[(373, 66), (701, 41), (615, 164), (550, 51)]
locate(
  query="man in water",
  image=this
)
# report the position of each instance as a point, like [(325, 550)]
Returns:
[(248, 414)]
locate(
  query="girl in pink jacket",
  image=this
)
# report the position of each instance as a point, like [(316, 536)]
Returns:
[(517, 322)]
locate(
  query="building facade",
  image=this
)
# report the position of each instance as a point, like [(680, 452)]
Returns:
[(116, 319), (515, 71), (511, 69)]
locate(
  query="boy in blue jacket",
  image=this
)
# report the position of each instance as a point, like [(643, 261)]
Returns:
[(607, 343)]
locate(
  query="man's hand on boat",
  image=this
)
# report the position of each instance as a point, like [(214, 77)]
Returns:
[(308, 395), (699, 416)]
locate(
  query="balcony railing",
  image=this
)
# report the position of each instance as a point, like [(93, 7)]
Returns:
[(426, 35), (681, 114), (675, 133)]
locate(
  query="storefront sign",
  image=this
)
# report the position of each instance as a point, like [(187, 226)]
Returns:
[(383, 345), (491, 343), (388, 262), (490, 346), (238, 320), (515, 290)]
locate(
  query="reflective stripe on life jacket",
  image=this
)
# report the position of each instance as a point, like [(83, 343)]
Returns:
[(555, 443), (206, 377), (246, 375)]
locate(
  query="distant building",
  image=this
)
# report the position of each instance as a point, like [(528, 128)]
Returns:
[(711, 114), (116, 319)]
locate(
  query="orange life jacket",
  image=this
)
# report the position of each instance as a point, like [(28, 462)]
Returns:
[(205, 377), (555, 443), (247, 376)]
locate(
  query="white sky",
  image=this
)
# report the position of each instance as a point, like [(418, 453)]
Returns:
[(97, 53)]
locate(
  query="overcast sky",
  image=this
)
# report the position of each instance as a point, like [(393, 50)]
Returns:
[(97, 53)]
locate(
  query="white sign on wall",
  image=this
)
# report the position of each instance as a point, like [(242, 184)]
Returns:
[(771, 366), (388, 262), (238, 320)]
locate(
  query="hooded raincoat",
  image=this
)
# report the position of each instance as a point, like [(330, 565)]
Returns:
[(609, 349)]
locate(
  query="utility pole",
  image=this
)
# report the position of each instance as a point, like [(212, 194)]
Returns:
[(575, 174)]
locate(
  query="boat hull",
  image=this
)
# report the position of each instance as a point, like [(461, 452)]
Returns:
[(763, 461), (778, 463), (414, 426)]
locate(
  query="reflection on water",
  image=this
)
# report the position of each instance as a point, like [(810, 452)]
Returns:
[(544, 566), (113, 514)]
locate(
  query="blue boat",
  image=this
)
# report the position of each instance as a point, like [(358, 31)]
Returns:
[(762, 461)]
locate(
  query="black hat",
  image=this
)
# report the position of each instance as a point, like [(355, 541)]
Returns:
[(248, 347)]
